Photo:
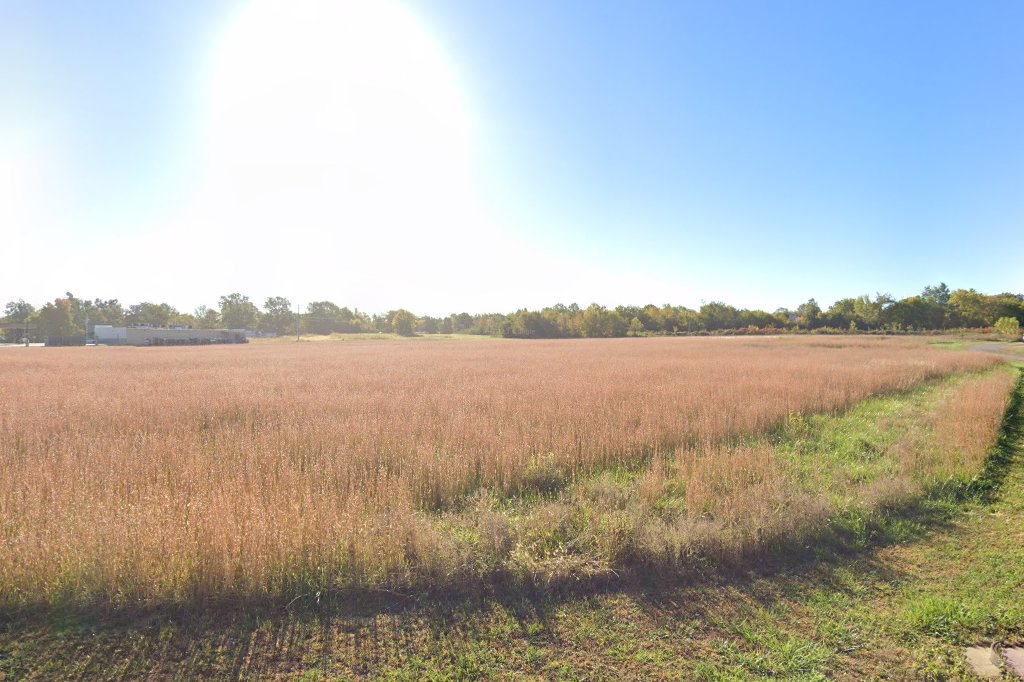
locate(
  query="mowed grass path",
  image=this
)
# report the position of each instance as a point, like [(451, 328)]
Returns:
[(894, 598)]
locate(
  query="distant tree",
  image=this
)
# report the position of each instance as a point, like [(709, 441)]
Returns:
[(278, 316), (653, 318), (615, 324), (238, 312), (758, 319), (1008, 326), (938, 294), (1006, 305), (680, 319), (915, 312), (206, 317), (57, 319), (78, 312), (842, 313), (428, 325), (324, 317), (592, 319), (869, 312), (717, 315), (150, 314), (935, 308), (491, 324), (785, 316), (938, 298), (970, 308), (403, 322), (321, 317), (527, 324), (808, 314), (461, 322), (18, 311), (563, 319), (599, 322), (21, 312), (628, 312), (104, 312)]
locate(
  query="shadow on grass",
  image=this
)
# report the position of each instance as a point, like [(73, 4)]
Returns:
[(226, 638)]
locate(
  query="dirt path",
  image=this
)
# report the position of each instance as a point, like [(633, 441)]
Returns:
[(1010, 351)]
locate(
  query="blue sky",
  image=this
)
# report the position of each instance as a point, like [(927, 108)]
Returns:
[(450, 155)]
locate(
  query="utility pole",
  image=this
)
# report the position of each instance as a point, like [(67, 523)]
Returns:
[(298, 318)]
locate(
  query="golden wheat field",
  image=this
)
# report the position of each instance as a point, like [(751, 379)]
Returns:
[(168, 474)]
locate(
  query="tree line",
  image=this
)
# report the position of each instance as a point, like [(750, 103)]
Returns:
[(936, 308)]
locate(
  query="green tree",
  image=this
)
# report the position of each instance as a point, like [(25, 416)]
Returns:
[(680, 319), (207, 318), (563, 318), (461, 322), (18, 311), (238, 312), (104, 312), (324, 317), (57, 319), (938, 298), (428, 325), (150, 314), (970, 308), (403, 322), (869, 313), (527, 324), (278, 316), (321, 317), (597, 321), (1006, 305), (1008, 326), (756, 318), (653, 318), (842, 313), (717, 315), (938, 294), (916, 312), (185, 320), (808, 314)]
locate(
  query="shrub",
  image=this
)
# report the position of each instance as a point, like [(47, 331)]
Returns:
[(1008, 326)]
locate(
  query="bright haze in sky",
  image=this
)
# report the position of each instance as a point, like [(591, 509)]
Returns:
[(443, 155)]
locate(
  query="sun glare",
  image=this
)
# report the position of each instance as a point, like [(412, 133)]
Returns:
[(341, 122)]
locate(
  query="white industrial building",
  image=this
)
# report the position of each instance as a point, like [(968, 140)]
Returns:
[(165, 336)]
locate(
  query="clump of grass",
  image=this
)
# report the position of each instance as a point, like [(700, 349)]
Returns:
[(940, 616)]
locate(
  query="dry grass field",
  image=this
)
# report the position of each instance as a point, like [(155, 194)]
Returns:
[(133, 475)]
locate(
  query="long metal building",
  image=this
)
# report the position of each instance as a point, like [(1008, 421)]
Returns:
[(165, 336)]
